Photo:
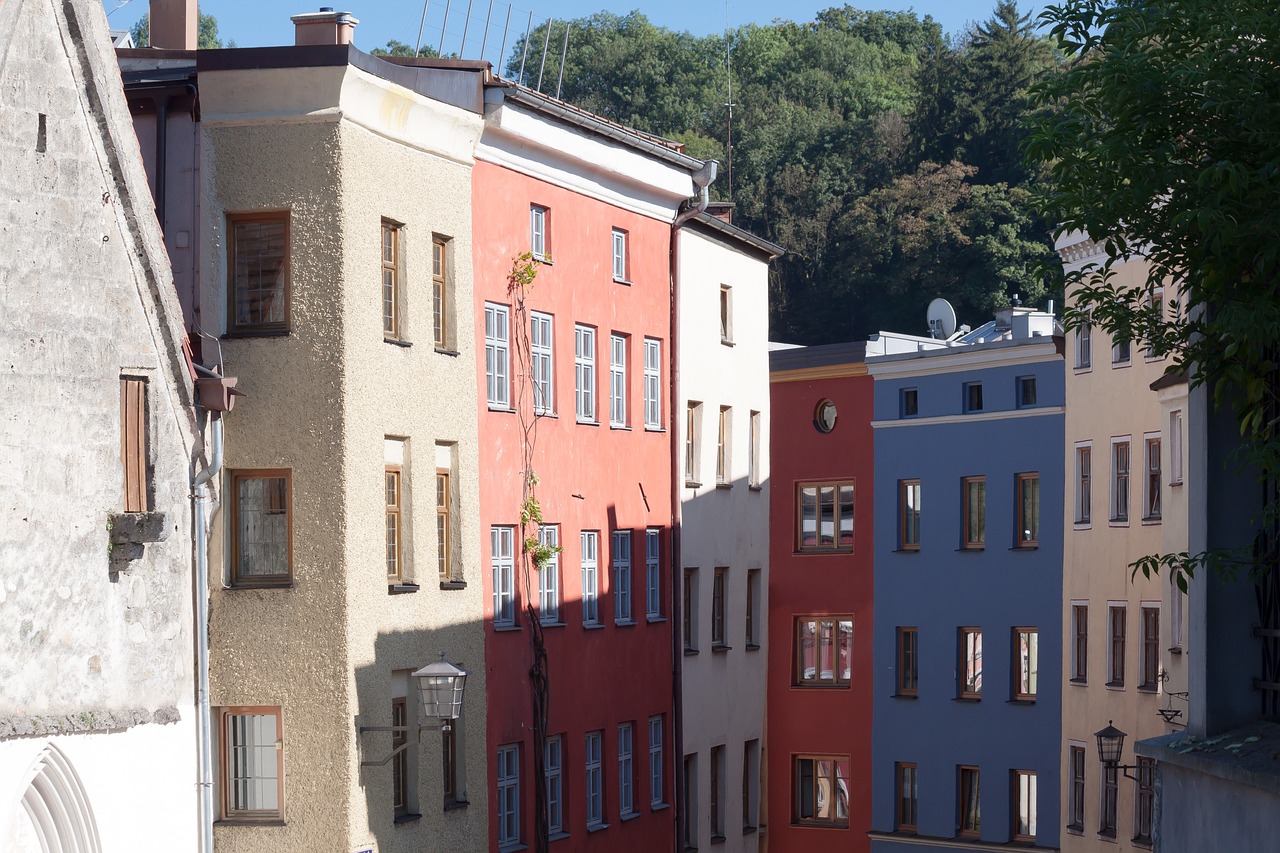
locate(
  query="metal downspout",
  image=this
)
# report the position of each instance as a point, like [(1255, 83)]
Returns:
[(200, 494)]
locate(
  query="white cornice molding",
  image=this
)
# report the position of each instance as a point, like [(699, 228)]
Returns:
[(1011, 414), (960, 359)]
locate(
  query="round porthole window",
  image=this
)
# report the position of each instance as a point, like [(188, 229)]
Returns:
[(824, 417)]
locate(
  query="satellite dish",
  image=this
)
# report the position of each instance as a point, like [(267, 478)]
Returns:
[(942, 319)]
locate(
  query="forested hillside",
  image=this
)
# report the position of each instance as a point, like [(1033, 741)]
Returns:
[(883, 154)]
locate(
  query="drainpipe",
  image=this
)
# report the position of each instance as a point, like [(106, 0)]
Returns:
[(690, 208), (200, 483)]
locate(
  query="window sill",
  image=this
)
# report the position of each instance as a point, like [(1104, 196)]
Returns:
[(822, 685), (453, 584), (1117, 365), (587, 422), (1114, 685), (717, 839), (402, 588), (559, 836), (753, 647), (755, 487), (454, 805), (724, 485), (242, 586), (597, 827), (910, 696), (545, 413), (829, 552), (1147, 688), (969, 700), (690, 652), (453, 353), (503, 629), (648, 428), (1151, 521), (512, 848), (1022, 701), (749, 830), (1075, 830), (1144, 843), (1083, 368), (624, 623), (720, 648), (659, 807), (499, 408), (971, 549), (1025, 548), (593, 626), (728, 342), (1174, 650), (263, 333), (1117, 522), (623, 281), (1173, 483), (274, 821), (620, 427), (629, 816), (653, 619), (1080, 682), (555, 623), (407, 818), (692, 484), (398, 343), (906, 551), (1082, 525)]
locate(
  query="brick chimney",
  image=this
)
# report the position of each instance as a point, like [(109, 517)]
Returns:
[(324, 27), (173, 24)]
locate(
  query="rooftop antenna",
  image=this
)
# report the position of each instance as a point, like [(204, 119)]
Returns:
[(564, 51), (545, 41), (484, 40), (466, 25), (524, 52), (728, 73), (444, 26), (502, 51), (418, 47), (942, 319)]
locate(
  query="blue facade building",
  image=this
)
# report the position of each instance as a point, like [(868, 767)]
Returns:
[(968, 591)]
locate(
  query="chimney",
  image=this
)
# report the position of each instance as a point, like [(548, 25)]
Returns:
[(722, 210), (324, 27), (173, 24)]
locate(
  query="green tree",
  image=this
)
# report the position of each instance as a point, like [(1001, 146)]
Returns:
[(399, 48), (206, 32)]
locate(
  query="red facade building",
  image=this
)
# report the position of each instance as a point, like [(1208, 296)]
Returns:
[(820, 600), (572, 303)]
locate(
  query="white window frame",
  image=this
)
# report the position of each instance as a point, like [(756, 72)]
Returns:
[(1084, 485), (542, 361), (584, 372), (726, 315), (617, 380), (553, 769), (657, 796), (1175, 447), (497, 355), (1084, 346), (652, 575), (502, 557), (1176, 597), (538, 232), (626, 770), (652, 383), (753, 464), (619, 255), (508, 781), (1121, 352), (1152, 499), (549, 576), (595, 778), (1121, 481), (590, 577), (693, 444), (620, 553), (724, 447), (1074, 805)]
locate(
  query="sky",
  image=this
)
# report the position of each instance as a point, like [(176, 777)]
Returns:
[(246, 22)]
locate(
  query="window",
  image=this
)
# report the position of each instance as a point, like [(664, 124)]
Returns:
[(1028, 510), (1144, 803), (717, 609), (970, 668), (750, 783), (723, 454), (449, 763), (652, 576), (390, 280), (753, 463), (261, 528), (1084, 483), (584, 372), (690, 621), (497, 355), (823, 651), (445, 534), (821, 789), (626, 770), (252, 776), (622, 576), (133, 443), (825, 415), (656, 795), (909, 515), (617, 381), (542, 362), (691, 802), (552, 769), (440, 292), (692, 443), (975, 512), (753, 609), (595, 779), (400, 764), (824, 516), (1151, 484), (590, 581), (1080, 642), (1110, 785), (1026, 672), (508, 795), (905, 786), (1024, 805), (717, 793), (1117, 617), (538, 232), (1121, 352), (619, 255), (908, 661), (909, 402), (1149, 673), (1175, 613), (973, 396), (258, 269), (1120, 480), (1075, 796), (1026, 391), (969, 805), (1175, 448), (726, 314), (549, 575), (501, 540), (652, 384), (1084, 346), (395, 535)]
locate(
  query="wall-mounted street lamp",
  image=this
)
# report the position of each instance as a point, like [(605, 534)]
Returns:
[(1111, 747), (441, 686)]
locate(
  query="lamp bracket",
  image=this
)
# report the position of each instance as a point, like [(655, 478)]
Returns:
[(1125, 768), (442, 725)]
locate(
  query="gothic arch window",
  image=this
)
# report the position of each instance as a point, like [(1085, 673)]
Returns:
[(56, 816)]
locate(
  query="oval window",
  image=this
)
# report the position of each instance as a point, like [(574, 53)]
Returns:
[(824, 418)]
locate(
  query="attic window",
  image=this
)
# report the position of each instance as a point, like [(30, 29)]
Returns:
[(42, 135)]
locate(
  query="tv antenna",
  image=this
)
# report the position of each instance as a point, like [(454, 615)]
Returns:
[(728, 74)]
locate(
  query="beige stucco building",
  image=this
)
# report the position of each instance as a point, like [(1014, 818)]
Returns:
[(1123, 642), (333, 273)]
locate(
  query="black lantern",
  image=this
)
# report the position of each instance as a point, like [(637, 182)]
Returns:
[(1110, 745)]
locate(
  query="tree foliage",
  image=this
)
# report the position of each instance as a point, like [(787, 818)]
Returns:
[(206, 32), (399, 48), (836, 126)]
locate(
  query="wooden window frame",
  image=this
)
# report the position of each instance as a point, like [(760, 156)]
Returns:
[(1149, 664), (1109, 802), (1015, 805), (726, 315), (753, 620), (1025, 384), (1080, 643), (440, 292), (689, 615), (391, 311), (1144, 801), (444, 537), (719, 641), (967, 662), (237, 475), (594, 771), (502, 567), (508, 789), (1121, 481), (1152, 478), (1084, 484), (226, 812), (1019, 676), (251, 329), (652, 574), (836, 547), (657, 770), (717, 803), (909, 534), (400, 760), (553, 772), (837, 680), (906, 809), (692, 444), (967, 541), (590, 569), (626, 769), (652, 384), (968, 777), (549, 576), (395, 516), (586, 383), (134, 439), (724, 451), (908, 669), (540, 232), (909, 402), (1117, 643), (497, 373), (973, 401), (542, 362), (449, 764), (1076, 762), (622, 576), (796, 818), (1027, 537)]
